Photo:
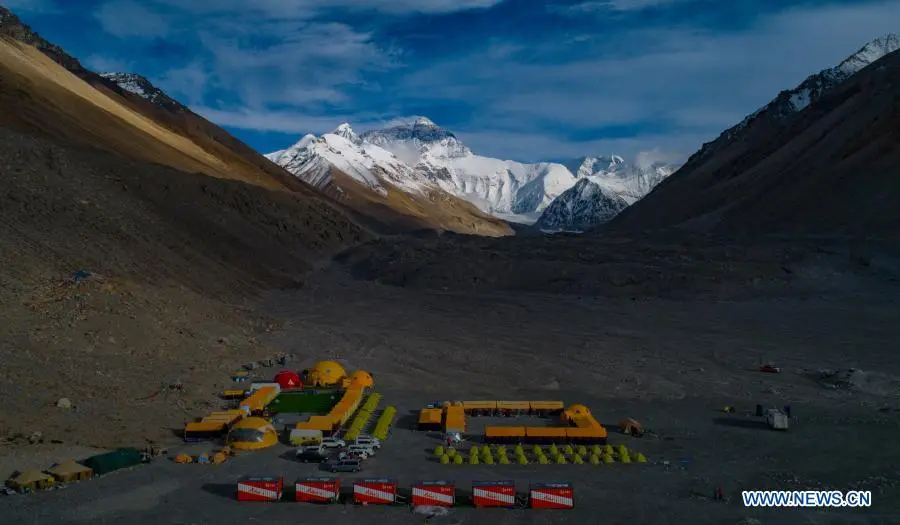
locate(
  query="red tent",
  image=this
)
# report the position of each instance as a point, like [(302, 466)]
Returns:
[(287, 379)]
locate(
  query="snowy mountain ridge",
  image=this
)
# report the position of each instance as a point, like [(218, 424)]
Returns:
[(313, 159), (791, 101), (140, 86), (583, 207), (580, 208), (416, 154), (410, 139)]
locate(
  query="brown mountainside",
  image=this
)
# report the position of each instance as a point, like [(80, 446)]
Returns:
[(180, 228), (832, 168), (220, 154)]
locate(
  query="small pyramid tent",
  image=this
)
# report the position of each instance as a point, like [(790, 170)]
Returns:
[(287, 379), (70, 471), (30, 480)]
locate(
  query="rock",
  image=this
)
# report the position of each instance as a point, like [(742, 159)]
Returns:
[(36, 437), (64, 402), (223, 340)]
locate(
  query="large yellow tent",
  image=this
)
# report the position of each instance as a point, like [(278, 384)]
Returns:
[(252, 433), (30, 480), (326, 373), (70, 471)]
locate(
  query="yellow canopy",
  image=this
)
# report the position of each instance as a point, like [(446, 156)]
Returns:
[(30, 476), (68, 468)]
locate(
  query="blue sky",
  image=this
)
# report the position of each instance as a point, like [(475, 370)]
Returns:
[(528, 80)]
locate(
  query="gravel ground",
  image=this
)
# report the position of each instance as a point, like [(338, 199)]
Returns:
[(670, 364), (737, 455)]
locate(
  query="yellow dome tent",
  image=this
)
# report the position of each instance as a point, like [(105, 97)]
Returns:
[(326, 373), (253, 433)]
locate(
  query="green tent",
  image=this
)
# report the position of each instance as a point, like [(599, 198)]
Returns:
[(115, 460)]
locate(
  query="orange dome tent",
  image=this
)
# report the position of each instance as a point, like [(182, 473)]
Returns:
[(361, 378)]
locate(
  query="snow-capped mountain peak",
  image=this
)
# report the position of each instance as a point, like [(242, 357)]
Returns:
[(416, 155), (410, 139), (291, 152), (346, 131), (581, 207), (586, 166), (869, 53), (313, 159), (140, 86), (421, 121)]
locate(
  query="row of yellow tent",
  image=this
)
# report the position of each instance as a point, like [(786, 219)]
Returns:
[(219, 422), (537, 408), (339, 414), (66, 472)]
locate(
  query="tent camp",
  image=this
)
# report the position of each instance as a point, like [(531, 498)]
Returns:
[(30, 480), (115, 460), (70, 471)]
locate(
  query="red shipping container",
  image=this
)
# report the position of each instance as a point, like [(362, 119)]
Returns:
[(260, 489), (318, 490), (434, 493), (552, 496), (494, 493), (376, 491)]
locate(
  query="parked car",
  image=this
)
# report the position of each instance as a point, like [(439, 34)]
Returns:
[(369, 451), (333, 442), (312, 455), (354, 454), (346, 465), (368, 441)]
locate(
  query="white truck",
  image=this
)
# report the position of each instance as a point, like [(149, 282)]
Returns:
[(777, 419)]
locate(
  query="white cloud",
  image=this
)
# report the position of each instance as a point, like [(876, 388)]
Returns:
[(187, 83), (599, 6), (528, 146), (647, 158), (33, 6), (305, 9), (131, 19), (287, 121), (105, 64), (308, 65), (695, 83)]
